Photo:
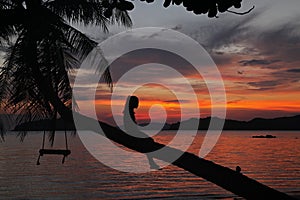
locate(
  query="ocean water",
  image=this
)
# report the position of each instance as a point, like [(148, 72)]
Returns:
[(274, 162)]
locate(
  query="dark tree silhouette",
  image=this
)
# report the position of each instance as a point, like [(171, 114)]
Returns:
[(44, 47), (209, 7)]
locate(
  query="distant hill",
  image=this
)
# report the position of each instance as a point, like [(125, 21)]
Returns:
[(281, 123), (7, 121), (45, 124), (155, 126)]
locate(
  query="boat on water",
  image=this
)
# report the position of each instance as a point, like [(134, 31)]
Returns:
[(263, 136)]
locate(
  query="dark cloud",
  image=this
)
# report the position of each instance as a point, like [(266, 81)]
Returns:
[(275, 48), (234, 101), (293, 70), (261, 89), (265, 85), (219, 53), (176, 101), (275, 41), (171, 101), (177, 27), (254, 62), (3, 49), (144, 56), (273, 67), (282, 43), (221, 58), (229, 30)]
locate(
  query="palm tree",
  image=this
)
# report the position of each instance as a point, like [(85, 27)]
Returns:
[(44, 46)]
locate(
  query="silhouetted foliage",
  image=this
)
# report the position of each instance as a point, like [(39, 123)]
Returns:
[(209, 7), (43, 47)]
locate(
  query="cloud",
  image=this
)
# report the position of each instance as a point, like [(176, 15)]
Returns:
[(176, 101), (276, 41), (177, 27), (140, 57), (268, 54), (234, 101), (255, 62), (293, 70), (282, 43), (3, 48), (264, 85)]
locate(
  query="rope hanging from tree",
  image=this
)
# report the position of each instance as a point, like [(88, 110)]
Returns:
[(64, 152)]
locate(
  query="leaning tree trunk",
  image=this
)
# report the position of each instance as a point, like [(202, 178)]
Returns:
[(226, 178)]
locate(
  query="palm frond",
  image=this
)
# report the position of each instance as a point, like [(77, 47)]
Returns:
[(80, 11), (22, 94), (81, 45), (5, 4), (78, 43), (121, 18), (7, 29), (12, 16), (5, 33), (59, 48)]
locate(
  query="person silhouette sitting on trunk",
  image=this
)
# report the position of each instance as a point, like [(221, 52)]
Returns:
[(131, 127)]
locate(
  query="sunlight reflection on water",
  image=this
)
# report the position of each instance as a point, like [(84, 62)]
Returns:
[(275, 162)]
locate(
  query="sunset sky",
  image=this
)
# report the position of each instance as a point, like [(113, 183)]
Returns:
[(258, 56)]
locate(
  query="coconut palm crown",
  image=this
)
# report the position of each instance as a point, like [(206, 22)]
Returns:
[(42, 47)]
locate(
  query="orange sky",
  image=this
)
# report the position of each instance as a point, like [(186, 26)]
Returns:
[(259, 66), (244, 101)]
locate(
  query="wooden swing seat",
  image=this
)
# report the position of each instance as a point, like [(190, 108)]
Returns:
[(55, 152), (64, 152)]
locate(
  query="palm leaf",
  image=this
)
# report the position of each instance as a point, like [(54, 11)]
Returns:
[(60, 48), (79, 11), (121, 18)]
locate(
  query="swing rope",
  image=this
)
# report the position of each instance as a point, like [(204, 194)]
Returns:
[(44, 151)]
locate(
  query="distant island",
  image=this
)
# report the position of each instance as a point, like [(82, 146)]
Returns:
[(45, 124), (280, 123)]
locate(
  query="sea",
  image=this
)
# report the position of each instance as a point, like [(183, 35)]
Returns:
[(271, 161)]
